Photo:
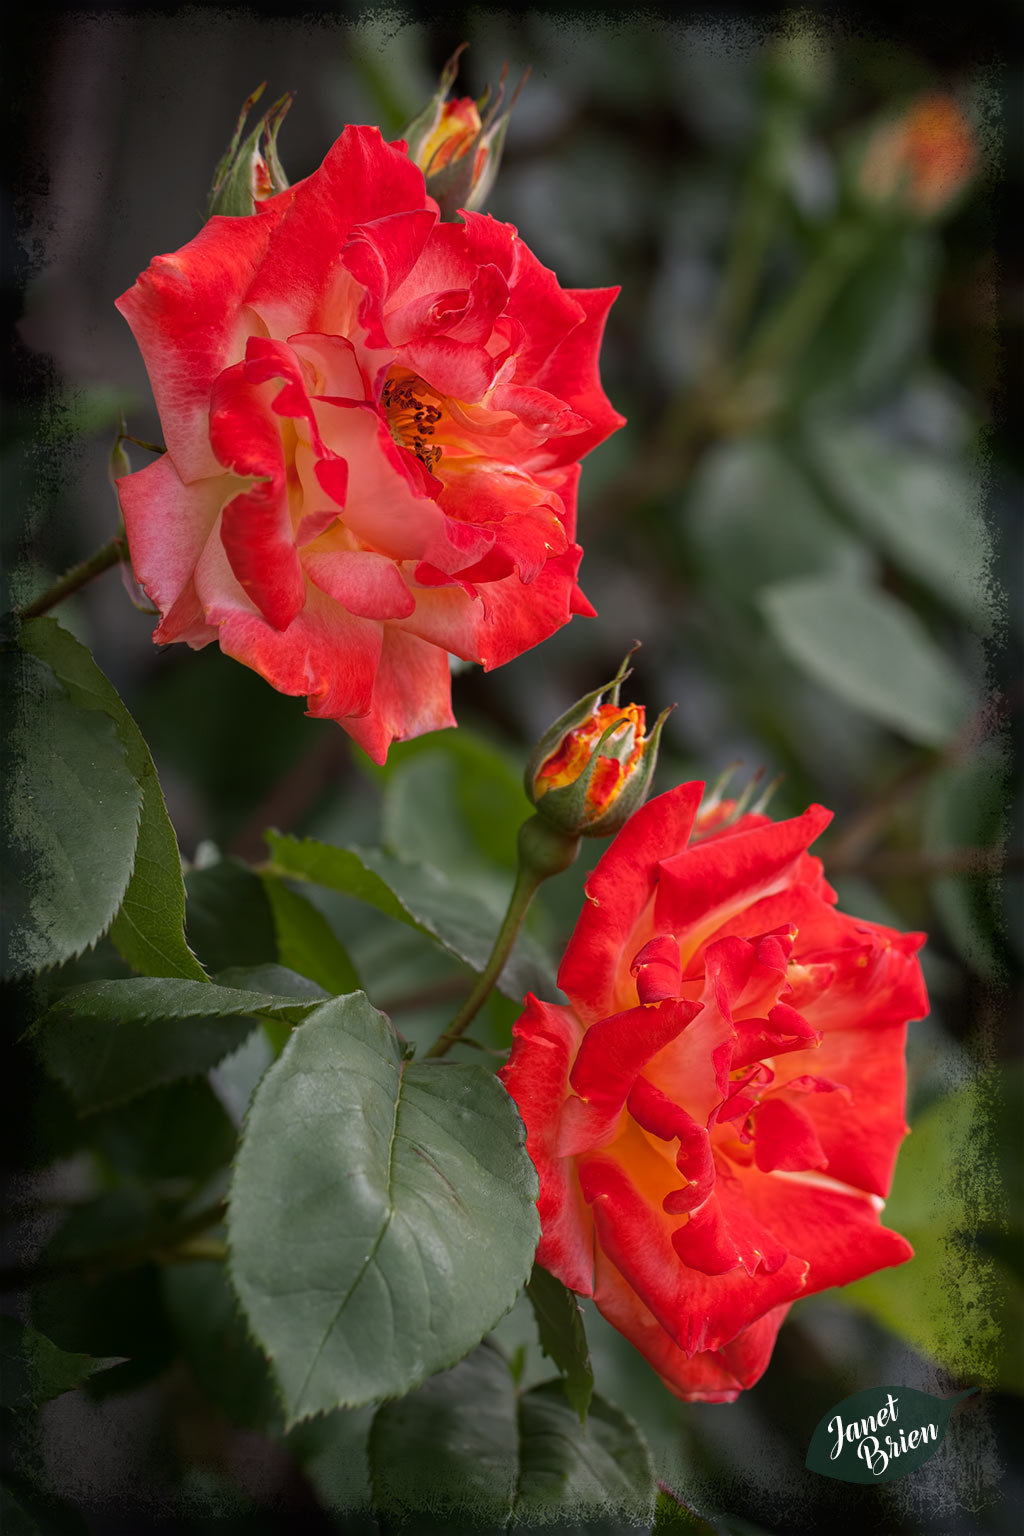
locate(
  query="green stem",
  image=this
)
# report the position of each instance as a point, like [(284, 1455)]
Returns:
[(543, 850), (111, 553), (527, 882), (755, 224), (786, 331)]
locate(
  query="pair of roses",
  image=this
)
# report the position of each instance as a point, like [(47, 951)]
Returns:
[(374, 421)]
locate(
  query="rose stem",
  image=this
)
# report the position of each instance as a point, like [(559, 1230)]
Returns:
[(527, 881), (110, 554), (543, 850)]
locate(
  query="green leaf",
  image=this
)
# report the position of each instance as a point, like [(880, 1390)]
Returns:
[(227, 916), (563, 1336), (149, 928), (109, 1040), (923, 510), (306, 942), (382, 1214), (454, 800), (70, 821), (35, 1370), (179, 1134), (754, 519), (871, 651), (468, 1447), (419, 896), (874, 332)]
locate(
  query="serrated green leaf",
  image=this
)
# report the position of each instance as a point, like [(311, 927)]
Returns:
[(148, 931), (277, 980), (70, 823), (469, 1451), (419, 896), (306, 942), (35, 1370), (382, 1214), (563, 1336), (227, 916), (149, 928), (923, 510), (870, 650), (110, 1040)]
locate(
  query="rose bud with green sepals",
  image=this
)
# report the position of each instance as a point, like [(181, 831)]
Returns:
[(457, 144), (250, 172), (593, 767)]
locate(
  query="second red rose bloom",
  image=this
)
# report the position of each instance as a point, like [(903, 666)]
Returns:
[(715, 1116)]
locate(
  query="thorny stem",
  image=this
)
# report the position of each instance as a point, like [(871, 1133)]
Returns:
[(112, 553)]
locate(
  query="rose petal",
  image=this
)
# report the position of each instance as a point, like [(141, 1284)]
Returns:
[(186, 313)]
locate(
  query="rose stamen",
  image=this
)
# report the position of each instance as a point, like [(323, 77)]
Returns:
[(411, 421)]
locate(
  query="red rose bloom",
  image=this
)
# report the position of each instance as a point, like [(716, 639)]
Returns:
[(374, 422), (715, 1117)]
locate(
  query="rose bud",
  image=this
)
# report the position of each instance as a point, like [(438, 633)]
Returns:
[(918, 163), (249, 172), (592, 768), (456, 148), (715, 1113)]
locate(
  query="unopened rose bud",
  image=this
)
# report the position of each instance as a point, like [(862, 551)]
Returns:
[(919, 162), (458, 144), (591, 770), (250, 170)]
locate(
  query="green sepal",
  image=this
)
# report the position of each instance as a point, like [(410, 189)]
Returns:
[(232, 190)]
